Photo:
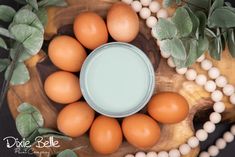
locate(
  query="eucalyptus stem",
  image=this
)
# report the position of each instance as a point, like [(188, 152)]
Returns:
[(7, 81)]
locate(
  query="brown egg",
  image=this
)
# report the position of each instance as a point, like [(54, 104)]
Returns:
[(168, 107), (105, 135), (90, 30), (141, 131), (67, 53), (75, 119), (122, 22), (63, 87)]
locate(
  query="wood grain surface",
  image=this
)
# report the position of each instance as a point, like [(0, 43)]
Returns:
[(166, 80)]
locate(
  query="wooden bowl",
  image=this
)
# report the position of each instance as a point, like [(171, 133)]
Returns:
[(166, 80)]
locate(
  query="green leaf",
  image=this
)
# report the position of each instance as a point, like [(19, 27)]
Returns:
[(27, 108), (168, 3), (30, 37), (6, 33), (178, 1), (202, 22), (27, 17), (28, 120), (164, 29), (179, 63), (192, 54), (222, 17), (33, 3), (228, 4), (216, 4), (195, 21), (4, 63), (198, 5), (175, 47), (24, 54), (67, 153), (203, 45), (27, 123), (197, 48), (185, 26), (32, 136), (6, 13), (45, 3), (42, 15), (231, 42), (3, 44), (20, 74), (215, 45), (43, 131)]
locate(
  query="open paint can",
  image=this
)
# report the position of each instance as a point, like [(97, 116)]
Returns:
[(117, 79)]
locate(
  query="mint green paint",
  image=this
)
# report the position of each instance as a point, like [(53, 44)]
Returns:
[(117, 79)]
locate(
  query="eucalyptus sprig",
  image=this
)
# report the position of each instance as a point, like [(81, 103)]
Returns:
[(196, 27), (29, 124), (22, 38)]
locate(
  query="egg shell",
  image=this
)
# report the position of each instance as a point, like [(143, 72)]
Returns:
[(122, 22), (67, 53), (75, 119), (105, 135), (90, 29), (63, 87), (168, 107), (133, 127)]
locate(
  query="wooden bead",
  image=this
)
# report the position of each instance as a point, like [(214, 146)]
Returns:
[(145, 2), (201, 80), (220, 143), (214, 72), (193, 142), (209, 127), (213, 151), (163, 154), (221, 81), (165, 54), (170, 62), (151, 154), (184, 149), (162, 13), (204, 154), (174, 153), (228, 90), (233, 129), (181, 71), (201, 134), (159, 42), (210, 86), (140, 154), (232, 99), (154, 6), (215, 117), (145, 13), (201, 58), (136, 6), (219, 107), (151, 21), (216, 96), (206, 64), (228, 137), (191, 74), (127, 1)]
